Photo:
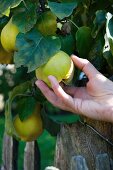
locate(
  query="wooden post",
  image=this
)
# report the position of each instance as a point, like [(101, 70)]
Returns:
[(78, 163), (9, 153), (31, 156), (103, 162), (80, 140)]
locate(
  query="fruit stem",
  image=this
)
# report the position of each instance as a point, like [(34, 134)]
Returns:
[(25, 95), (74, 23), (25, 5)]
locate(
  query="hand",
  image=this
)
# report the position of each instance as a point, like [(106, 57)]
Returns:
[(94, 101)]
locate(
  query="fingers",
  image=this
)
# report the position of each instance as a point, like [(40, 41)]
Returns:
[(57, 97), (59, 91), (49, 94), (85, 66)]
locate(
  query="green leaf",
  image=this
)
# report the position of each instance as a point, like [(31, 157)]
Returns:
[(25, 18), (5, 5), (20, 90), (9, 128), (3, 22), (67, 44), (96, 52), (37, 94), (59, 115), (35, 50), (83, 41), (25, 107), (99, 22), (62, 10), (51, 126)]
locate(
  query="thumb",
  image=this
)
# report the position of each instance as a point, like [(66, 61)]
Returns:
[(85, 66)]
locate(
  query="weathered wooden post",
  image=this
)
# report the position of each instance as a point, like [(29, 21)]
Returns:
[(31, 156), (82, 147), (9, 153)]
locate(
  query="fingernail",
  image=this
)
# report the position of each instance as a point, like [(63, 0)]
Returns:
[(74, 56), (50, 77), (53, 81), (38, 83)]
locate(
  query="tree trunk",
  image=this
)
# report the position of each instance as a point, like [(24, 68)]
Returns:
[(78, 144)]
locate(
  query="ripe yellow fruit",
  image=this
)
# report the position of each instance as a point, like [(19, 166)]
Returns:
[(60, 66), (5, 57), (47, 23), (30, 128), (8, 36)]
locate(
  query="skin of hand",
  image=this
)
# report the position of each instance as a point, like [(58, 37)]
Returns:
[(94, 101)]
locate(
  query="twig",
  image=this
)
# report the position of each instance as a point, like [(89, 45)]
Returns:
[(98, 133), (74, 23), (26, 95)]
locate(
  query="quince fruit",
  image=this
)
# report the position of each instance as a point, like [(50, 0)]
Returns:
[(47, 23), (8, 36), (5, 57), (30, 128), (60, 65)]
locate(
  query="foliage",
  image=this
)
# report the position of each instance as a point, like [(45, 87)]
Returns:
[(84, 27)]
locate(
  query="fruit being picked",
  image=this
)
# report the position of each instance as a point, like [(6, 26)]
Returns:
[(60, 65), (47, 23), (8, 36), (30, 128)]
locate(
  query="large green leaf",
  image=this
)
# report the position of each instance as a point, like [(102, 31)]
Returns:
[(96, 52), (51, 126), (58, 115), (25, 17), (62, 10), (25, 107), (5, 5), (9, 127), (20, 90), (83, 41), (3, 22), (37, 94), (99, 22), (34, 50), (67, 44)]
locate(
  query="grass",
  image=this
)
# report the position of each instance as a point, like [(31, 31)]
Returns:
[(46, 145)]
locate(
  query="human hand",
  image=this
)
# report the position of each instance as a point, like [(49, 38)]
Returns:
[(94, 101)]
